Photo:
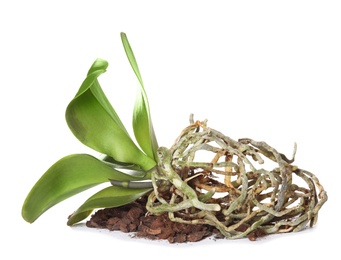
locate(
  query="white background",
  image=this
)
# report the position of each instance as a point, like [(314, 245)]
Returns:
[(268, 70)]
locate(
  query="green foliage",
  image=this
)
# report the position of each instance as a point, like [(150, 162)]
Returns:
[(142, 122), (95, 123), (67, 177)]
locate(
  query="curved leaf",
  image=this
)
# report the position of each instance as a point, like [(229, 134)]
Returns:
[(142, 122), (109, 197), (95, 123), (67, 177)]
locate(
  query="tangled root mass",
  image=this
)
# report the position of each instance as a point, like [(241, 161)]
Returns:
[(232, 191)]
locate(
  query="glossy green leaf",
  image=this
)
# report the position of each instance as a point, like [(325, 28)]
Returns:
[(95, 123), (142, 122), (67, 177), (109, 197)]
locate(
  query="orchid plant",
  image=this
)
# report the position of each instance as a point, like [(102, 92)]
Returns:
[(233, 191), (95, 123)]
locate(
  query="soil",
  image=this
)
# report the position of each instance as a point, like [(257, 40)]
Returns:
[(133, 218)]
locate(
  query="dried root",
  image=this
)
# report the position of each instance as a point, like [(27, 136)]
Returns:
[(232, 192)]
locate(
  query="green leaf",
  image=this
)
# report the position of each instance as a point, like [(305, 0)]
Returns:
[(109, 197), (142, 122), (95, 123), (67, 177)]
